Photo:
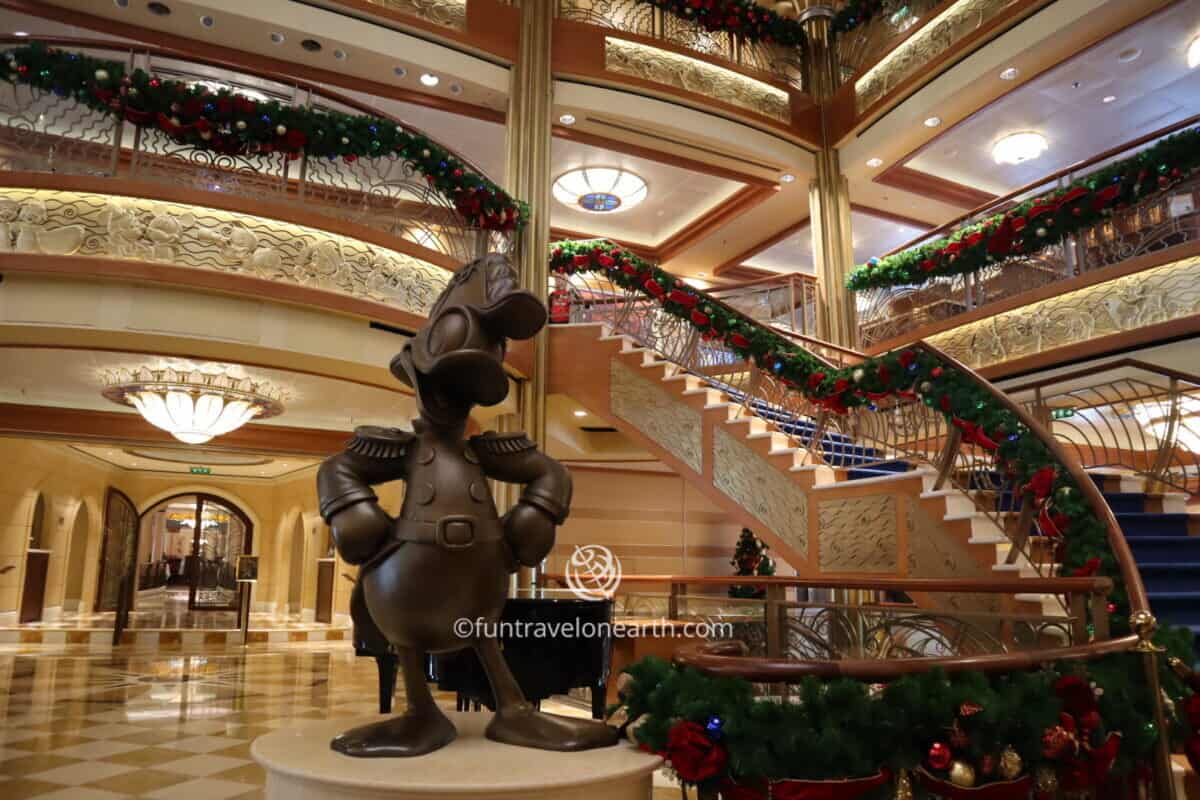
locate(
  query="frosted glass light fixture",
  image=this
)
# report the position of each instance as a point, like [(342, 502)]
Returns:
[(600, 190), (1017, 148), (193, 403)]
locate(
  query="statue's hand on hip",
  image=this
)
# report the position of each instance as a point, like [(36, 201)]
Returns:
[(360, 530), (529, 531)]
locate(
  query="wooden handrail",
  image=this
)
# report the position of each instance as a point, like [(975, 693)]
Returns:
[(942, 229), (727, 659), (1116, 539), (1085, 585), (1101, 368), (783, 276)]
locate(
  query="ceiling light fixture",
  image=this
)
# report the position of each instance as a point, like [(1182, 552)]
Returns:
[(1017, 148), (600, 190), (787, 177), (932, 122), (207, 21), (701, 274), (193, 403), (311, 45), (276, 37), (1193, 53), (400, 71), (580, 412), (1129, 54), (1109, 98), (158, 9), (567, 119), (429, 79), (339, 54), (1009, 74), (20, 33), (456, 88), (874, 162)]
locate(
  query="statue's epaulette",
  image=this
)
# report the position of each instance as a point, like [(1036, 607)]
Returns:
[(377, 442), (499, 444)]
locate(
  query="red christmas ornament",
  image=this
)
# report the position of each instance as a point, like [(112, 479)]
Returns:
[(969, 709), (939, 755)]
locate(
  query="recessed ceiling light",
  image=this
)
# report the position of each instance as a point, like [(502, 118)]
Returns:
[(787, 177), (311, 45), (932, 122), (1109, 98), (456, 88), (159, 9), (580, 412), (1017, 148), (701, 274), (1009, 74), (1193, 53), (207, 21), (400, 71), (276, 37), (429, 79), (121, 3), (567, 119), (20, 33), (874, 162), (1129, 54), (339, 54)]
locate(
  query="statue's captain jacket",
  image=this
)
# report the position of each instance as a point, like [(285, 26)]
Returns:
[(379, 455)]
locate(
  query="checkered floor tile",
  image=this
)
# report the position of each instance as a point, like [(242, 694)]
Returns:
[(107, 727)]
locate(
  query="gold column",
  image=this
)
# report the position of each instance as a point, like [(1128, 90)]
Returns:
[(828, 196), (527, 173)]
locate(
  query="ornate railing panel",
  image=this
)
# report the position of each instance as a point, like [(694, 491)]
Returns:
[(631, 16), (42, 131), (1162, 221), (868, 41), (1127, 414)]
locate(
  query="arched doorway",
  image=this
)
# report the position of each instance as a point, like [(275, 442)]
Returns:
[(76, 561), (189, 553), (118, 550), (37, 565)]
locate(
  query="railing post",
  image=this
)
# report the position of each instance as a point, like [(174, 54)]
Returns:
[(1099, 603), (1078, 610), (673, 600), (1021, 535), (1166, 447), (657, 23), (792, 302), (1144, 625), (948, 455), (776, 595)]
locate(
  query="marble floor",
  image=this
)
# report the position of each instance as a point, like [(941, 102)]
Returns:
[(167, 727), (169, 611)]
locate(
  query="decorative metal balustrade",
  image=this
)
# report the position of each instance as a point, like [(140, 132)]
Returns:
[(1162, 221), (772, 61), (890, 430), (1129, 415), (869, 41), (43, 132)]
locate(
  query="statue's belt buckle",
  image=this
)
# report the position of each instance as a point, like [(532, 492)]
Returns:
[(456, 531)]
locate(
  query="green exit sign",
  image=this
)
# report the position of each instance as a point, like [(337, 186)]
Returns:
[(1062, 413), (201, 470)]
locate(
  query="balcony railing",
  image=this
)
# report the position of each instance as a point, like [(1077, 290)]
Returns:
[(44, 132), (1127, 414), (772, 61), (869, 41), (1161, 221)]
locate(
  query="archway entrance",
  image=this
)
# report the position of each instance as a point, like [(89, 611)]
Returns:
[(295, 602), (188, 555), (76, 561), (37, 565)]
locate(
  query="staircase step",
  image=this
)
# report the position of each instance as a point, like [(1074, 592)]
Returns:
[(1178, 608), (879, 470), (1165, 549), (1126, 502), (1170, 576), (1141, 524)]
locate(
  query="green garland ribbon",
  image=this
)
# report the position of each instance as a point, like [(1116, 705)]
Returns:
[(1042, 221), (903, 374), (844, 729), (231, 123), (744, 18)]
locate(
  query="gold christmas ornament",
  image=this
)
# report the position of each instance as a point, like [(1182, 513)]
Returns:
[(1046, 780), (1010, 764), (619, 717), (903, 786), (962, 774)]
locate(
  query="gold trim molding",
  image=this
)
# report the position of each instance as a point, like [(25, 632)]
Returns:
[(68, 223), (692, 75), (447, 13), (1161, 294)]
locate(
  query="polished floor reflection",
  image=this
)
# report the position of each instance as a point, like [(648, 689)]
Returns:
[(166, 727)]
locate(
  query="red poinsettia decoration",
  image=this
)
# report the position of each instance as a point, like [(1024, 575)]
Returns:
[(693, 755)]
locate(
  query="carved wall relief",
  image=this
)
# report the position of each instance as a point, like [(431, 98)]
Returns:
[(757, 486), (858, 534), (671, 424)]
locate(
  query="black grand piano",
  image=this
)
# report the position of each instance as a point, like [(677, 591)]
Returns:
[(542, 666)]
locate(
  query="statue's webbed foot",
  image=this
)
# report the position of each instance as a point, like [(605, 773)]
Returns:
[(410, 734), (525, 727)]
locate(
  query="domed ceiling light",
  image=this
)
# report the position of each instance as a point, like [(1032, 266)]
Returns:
[(600, 190), (192, 402), (1193, 53), (1017, 148)]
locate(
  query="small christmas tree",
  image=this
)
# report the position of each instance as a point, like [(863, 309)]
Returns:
[(750, 558)]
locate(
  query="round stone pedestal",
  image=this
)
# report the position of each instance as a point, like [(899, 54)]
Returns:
[(300, 766)]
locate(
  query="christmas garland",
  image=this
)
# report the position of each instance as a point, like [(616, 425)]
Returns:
[(855, 13), (744, 18), (1039, 222), (1073, 726), (231, 123), (905, 374)]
